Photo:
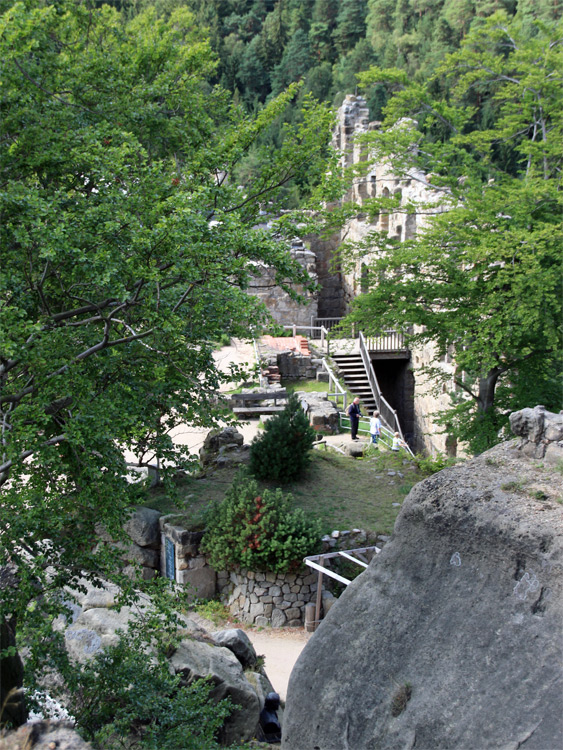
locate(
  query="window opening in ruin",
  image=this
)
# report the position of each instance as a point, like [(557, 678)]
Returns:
[(364, 279)]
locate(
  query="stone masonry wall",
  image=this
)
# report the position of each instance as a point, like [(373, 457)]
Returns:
[(283, 309), (267, 598)]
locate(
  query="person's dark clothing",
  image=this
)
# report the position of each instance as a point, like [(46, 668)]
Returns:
[(354, 413)]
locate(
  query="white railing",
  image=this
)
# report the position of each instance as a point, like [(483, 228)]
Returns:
[(388, 341), (321, 330), (335, 390), (387, 414)]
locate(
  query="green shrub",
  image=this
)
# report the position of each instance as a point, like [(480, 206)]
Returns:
[(282, 452), (258, 530), (123, 698), (431, 464)]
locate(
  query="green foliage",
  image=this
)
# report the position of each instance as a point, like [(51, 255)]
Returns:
[(213, 610), (429, 465), (120, 693), (127, 248), (258, 530), (483, 281), (282, 452)]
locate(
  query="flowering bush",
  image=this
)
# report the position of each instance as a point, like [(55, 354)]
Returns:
[(258, 530)]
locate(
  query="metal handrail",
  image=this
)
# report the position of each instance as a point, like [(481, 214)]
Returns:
[(386, 411), (339, 391)]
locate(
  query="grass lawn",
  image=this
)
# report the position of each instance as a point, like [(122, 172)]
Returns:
[(342, 492), (308, 386)]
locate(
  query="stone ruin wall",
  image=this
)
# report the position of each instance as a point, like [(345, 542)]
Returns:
[(353, 119), (254, 598), (281, 307)]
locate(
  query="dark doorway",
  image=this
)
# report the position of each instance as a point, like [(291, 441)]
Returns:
[(396, 382)]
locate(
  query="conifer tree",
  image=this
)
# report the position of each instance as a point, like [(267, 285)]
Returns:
[(282, 452)]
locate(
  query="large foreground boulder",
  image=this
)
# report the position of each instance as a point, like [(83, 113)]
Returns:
[(452, 637)]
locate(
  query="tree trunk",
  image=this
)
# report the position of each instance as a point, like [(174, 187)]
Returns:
[(487, 385), (13, 712)]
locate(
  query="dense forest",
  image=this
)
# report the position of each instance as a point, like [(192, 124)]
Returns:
[(264, 45)]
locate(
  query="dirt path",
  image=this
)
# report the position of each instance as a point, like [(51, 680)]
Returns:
[(280, 648)]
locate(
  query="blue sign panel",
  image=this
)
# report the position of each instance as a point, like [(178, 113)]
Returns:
[(169, 554)]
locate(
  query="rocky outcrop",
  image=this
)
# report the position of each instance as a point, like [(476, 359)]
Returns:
[(143, 549), (223, 657), (451, 637), (323, 414), (44, 735), (223, 447), (541, 433), (193, 660)]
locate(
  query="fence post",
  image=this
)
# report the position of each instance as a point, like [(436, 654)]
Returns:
[(319, 592)]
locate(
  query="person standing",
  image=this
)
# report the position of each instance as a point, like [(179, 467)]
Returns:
[(354, 412), (375, 428)]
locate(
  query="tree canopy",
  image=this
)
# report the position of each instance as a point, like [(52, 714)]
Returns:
[(126, 249), (483, 281)]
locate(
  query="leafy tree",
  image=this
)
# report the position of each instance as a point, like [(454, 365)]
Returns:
[(482, 282), (258, 529), (281, 453), (127, 247)]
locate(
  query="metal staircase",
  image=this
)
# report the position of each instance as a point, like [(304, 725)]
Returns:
[(356, 379), (360, 379)]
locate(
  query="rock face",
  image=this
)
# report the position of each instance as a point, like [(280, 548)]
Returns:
[(222, 657), (44, 735), (451, 638)]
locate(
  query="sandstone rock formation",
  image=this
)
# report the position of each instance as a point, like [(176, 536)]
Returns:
[(44, 735), (223, 447), (223, 657), (452, 636)]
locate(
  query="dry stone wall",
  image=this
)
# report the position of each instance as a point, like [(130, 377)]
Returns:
[(267, 598)]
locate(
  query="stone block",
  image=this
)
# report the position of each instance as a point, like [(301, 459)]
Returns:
[(270, 577), (285, 588), (295, 589), (278, 618), (290, 597), (554, 453), (296, 623), (274, 591), (201, 582), (293, 613), (268, 609), (197, 562)]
